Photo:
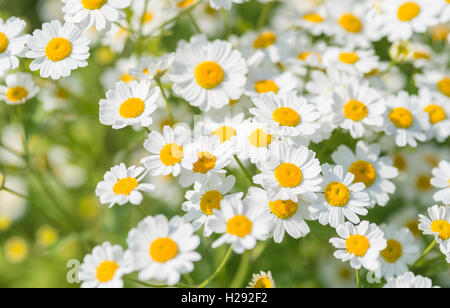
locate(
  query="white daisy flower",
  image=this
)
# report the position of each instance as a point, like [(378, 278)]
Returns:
[(116, 38), (285, 215), (167, 150), (241, 224), (119, 72), (289, 173), (441, 180), (19, 88), (405, 120), (206, 155), (286, 114), (148, 68), (436, 81), (12, 43), (438, 223), (57, 49), (155, 15), (304, 56), (208, 74), (438, 110), (105, 266), (350, 60), (163, 249), (409, 281), (358, 109), (226, 127), (401, 18), (206, 197), (262, 280), (402, 250), (130, 104), (361, 244), (122, 185), (342, 198), (444, 15), (445, 249), (317, 21), (226, 4), (98, 13), (370, 168), (263, 80)]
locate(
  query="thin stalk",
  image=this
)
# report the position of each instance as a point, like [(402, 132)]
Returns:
[(241, 271), (264, 13), (247, 174), (218, 270), (169, 109), (427, 250), (193, 22), (18, 194), (358, 279)]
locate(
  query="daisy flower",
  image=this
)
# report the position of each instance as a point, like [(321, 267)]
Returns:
[(435, 80), (19, 88), (121, 71), (358, 109), (105, 266), (317, 21), (286, 114), (438, 111), (157, 12), (116, 38), (342, 198), (350, 60), (264, 80), (241, 224), (122, 185), (12, 43), (370, 168), (148, 68), (361, 244), (441, 180), (444, 15), (98, 13), (206, 197), (163, 249), (226, 4), (57, 49), (206, 155), (405, 120), (304, 55), (438, 223), (290, 172), (225, 127), (167, 150), (130, 104), (253, 142), (402, 250), (262, 280), (409, 281), (285, 215), (208, 74), (445, 249), (401, 18)]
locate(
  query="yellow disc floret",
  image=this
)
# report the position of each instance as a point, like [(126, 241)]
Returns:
[(263, 283), (408, 11), (288, 175), (125, 186), (58, 49), (393, 251), (351, 23), (313, 17), (209, 74), (355, 110), (16, 94), (132, 108), (364, 172), (225, 133), (286, 116), (93, 4), (283, 209), (258, 138), (206, 161), (239, 225), (357, 245), (401, 117), (163, 249), (442, 228), (337, 194), (348, 57), (436, 113), (209, 201), (106, 271), (265, 86), (265, 40), (4, 42), (444, 86), (171, 154)]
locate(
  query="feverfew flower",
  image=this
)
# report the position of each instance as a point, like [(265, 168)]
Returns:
[(105, 266), (342, 198), (57, 49), (438, 223), (445, 249), (98, 13), (409, 281), (163, 249), (350, 60), (441, 180), (129, 104), (19, 88), (361, 244), (12, 43), (226, 4), (122, 185), (438, 111), (262, 280), (253, 143)]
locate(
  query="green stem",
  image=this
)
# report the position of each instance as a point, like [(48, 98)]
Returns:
[(358, 279), (148, 130), (194, 23), (189, 279), (221, 266), (241, 272), (142, 210), (15, 193), (149, 285), (141, 26), (169, 110), (429, 248), (264, 13), (247, 174)]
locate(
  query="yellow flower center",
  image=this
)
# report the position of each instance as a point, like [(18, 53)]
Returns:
[(148, 17), (264, 86), (408, 11), (392, 252), (209, 201), (171, 154), (355, 110), (3, 42), (185, 3), (16, 249), (288, 175), (348, 57), (441, 227), (444, 86), (304, 55), (337, 194), (5, 223), (93, 4), (132, 108), (364, 172), (436, 113), (126, 78), (413, 226), (283, 209), (313, 17), (265, 40), (401, 117), (239, 225), (106, 271), (286, 116), (400, 162), (423, 182), (357, 245), (421, 55), (209, 74), (125, 186), (263, 283), (58, 49), (163, 249), (16, 94), (206, 161), (225, 133), (258, 138), (351, 23)]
